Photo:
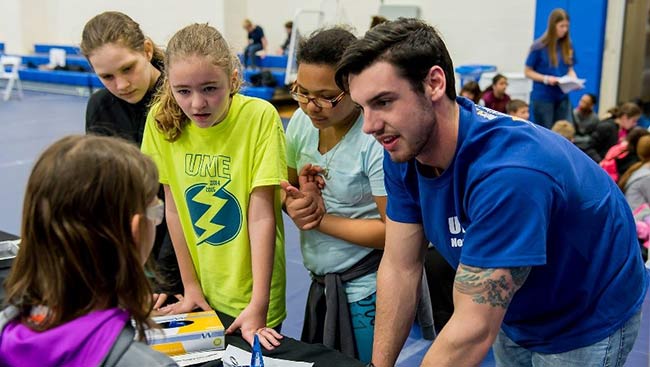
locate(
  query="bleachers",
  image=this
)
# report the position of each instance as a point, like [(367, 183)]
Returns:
[(41, 48), (274, 64), (76, 78), (44, 59), (86, 78)]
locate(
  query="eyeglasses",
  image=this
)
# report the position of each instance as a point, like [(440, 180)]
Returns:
[(317, 101), (156, 212)]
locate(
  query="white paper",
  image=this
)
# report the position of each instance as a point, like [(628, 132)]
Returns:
[(243, 358), (189, 359), (569, 83)]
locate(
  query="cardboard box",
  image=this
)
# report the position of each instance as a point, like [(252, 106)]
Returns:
[(186, 333)]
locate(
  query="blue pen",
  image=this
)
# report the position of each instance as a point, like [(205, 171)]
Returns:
[(256, 357)]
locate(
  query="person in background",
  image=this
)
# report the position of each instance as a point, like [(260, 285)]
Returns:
[(635, 182), (518, 108), (346, 242), (130, 66), (623, 154), (564, 128), (256, 42), (221, 158), (471, 91), (284, 49), (78, 283), (535, 233), (612, 130), (644, 120), (495, 96), (550, 57), (584, 116)]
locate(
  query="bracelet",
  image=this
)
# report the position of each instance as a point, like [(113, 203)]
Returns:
[(545, 79)]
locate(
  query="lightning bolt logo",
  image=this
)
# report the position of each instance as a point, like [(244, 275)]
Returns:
[(214, 204), (215, 213)]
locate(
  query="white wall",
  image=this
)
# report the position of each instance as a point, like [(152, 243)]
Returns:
[(612, 54), (476, 31), (61, 21)]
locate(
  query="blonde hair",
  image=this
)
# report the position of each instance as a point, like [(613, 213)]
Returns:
[(77, 251), (118, 28), (564, 128), (551, 40), (199, 40)]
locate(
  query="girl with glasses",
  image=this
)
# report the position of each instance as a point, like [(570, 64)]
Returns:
[(341, 241), (78, 280)]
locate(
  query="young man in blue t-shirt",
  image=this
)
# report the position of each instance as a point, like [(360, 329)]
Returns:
[(548, 264)]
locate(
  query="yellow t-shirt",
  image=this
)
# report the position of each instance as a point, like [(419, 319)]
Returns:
[(211, 173)]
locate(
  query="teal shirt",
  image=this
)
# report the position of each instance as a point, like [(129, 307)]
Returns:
[(356, 175)]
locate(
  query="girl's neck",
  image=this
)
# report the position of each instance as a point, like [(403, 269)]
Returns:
[(154, 75), (329, 137)]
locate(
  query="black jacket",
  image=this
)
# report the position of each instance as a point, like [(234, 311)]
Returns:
[(111, 116)]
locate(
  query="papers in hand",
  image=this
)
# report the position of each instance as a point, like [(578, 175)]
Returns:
[(234, 356), (569, 83)]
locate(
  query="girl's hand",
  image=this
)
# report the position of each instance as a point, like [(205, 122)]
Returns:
[(159, 299), (251, 321), (306, 209), (192, 299)]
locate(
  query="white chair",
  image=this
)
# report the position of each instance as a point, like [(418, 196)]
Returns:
[(13, 63), (57, 57)]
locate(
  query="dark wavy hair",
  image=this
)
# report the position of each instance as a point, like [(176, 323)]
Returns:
[(410, 45), (325, 46)]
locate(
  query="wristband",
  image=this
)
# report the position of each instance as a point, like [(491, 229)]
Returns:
[(545, 79)]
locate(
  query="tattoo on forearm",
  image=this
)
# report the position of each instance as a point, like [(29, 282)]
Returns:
[(495, 287)]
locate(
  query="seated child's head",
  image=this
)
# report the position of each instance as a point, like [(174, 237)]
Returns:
[(518, 108), (564, 128), (499, 85), (472, 91), (88, 226)]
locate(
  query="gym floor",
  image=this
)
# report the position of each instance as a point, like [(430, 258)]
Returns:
[(39, 119)]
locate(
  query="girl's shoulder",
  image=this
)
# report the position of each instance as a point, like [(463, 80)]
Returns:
[(537, 45)]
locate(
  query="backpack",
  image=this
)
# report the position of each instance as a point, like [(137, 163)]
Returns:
[(263, 79)]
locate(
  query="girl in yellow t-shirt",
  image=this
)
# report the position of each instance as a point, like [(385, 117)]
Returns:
[(221, 158)]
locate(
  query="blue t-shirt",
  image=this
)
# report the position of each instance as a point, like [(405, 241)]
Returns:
[(515, 195), (256, 35), (539, 60)]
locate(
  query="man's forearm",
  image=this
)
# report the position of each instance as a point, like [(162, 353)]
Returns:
[(461, 343), (397, 297)]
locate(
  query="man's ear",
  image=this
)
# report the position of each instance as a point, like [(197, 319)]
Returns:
[(435, 83)]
